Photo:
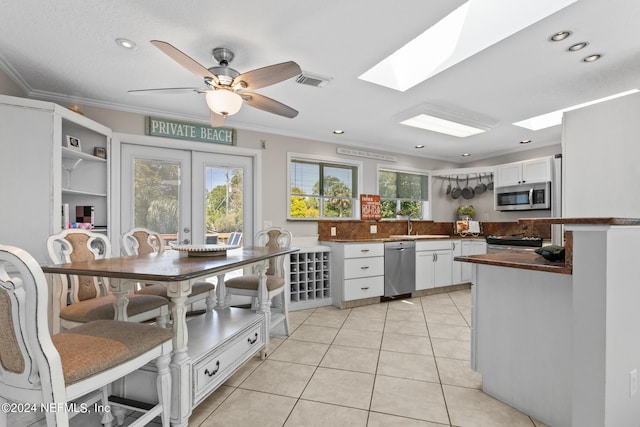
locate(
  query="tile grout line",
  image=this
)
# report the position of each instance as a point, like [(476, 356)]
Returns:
[(435, 361)]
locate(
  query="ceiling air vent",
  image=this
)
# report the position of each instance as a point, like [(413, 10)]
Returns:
[(312, 80)]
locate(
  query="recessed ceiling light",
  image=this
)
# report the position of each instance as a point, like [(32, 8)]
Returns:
[(559, 36), (419, 146), (338, 132), (436, 124), (577, 46), (466, 154), (467, 30), (592, 58), (126, 43), (555, 118), (525, 141)]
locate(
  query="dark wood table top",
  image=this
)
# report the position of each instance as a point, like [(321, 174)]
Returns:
[(168, 266)]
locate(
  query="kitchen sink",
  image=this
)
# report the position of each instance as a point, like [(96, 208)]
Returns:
[(419, 236)]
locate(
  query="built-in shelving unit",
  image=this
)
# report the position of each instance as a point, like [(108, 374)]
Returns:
[(42, 173), (309, 278)]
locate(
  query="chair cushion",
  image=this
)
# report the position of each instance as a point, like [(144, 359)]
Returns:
[(251, 282), (160, 291), (102, 308), (100, 345)]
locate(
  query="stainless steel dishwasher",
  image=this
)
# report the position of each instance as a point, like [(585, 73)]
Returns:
[(399, 268)]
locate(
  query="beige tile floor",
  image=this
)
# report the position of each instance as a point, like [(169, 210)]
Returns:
[(401, 363)]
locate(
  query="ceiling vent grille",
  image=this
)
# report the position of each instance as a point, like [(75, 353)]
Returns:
[(312, 80)]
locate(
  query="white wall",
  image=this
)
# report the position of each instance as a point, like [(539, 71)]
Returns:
[(274, 167), (274, 164), (600, 154), (8, 87)]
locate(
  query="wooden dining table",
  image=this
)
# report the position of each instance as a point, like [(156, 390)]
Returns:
[(177, 271)]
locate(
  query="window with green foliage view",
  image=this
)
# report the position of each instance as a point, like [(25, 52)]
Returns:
[(402, 194), (322, 190)]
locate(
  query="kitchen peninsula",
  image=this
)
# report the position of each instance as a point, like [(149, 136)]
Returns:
[(557, 340)]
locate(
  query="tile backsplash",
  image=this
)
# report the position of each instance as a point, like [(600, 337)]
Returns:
[(358, 229)]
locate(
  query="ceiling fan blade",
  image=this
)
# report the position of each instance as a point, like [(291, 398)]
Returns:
[(185, 60), (217, 120), (266, 76), (167, 91), (269, 105)]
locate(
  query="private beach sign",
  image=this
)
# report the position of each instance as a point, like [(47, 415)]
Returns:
[(192, 131)]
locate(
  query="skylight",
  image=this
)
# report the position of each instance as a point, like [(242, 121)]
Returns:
[(555, 117), (436, 124), (472, 27)]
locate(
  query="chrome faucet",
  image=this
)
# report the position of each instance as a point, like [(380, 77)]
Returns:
[(409, 226)]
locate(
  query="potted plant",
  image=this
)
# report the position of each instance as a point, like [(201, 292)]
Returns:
[(465, 212)]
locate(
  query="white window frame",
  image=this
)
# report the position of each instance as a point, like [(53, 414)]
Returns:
[(324, 159), (426, 205)]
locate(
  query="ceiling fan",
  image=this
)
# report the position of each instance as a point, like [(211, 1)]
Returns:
[(226, 89)]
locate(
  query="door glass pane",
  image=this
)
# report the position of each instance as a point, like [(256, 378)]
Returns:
[(156, 195), (224, 204)]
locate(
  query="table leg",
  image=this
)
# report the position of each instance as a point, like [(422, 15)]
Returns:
[(120, 288), (264, 303), (222, 299), (180, 365)]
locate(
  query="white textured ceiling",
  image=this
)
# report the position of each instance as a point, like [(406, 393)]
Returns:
[(65, 51)]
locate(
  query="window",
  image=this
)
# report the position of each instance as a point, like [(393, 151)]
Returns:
[(319, 189), (403, 193)]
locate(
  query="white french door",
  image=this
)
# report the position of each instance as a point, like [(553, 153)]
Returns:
[(189, 196), (223, 195)]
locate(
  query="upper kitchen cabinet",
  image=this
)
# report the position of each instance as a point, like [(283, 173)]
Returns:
[(526, 172), (41, 169)]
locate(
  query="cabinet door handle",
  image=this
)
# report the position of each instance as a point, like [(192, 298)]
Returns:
[(364, 289), (364, 267), (364, 250), (215, 371), (254, 339)]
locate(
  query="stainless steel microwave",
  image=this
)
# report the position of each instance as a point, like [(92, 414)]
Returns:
[(524, 197)]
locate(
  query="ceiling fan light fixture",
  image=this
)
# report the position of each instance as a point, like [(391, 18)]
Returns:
[(223, 101)]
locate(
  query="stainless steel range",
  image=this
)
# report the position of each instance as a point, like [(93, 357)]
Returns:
[(496, 244)]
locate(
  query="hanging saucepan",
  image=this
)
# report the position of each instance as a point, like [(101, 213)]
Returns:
[(467, 192), (449, 186), (480, 186), (456, 191), (490, 184)]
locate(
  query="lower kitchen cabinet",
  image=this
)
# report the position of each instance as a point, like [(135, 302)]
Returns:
[(357, 271), (433, 264), (470, 247)]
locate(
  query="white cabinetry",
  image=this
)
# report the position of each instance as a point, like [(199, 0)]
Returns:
[(433, 264), (470, 247), (456, 269), (34, 164), (309, 278), (529, 172), (357, 271)]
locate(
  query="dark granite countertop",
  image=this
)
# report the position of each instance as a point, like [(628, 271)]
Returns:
[(527, 260), (582, 221), (399, 238)]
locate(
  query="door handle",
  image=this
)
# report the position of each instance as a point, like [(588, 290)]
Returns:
[(531, 197), (364, 267), (400, 249)]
